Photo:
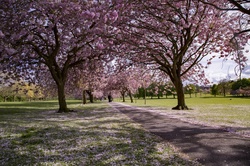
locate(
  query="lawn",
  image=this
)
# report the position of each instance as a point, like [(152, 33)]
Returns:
[(227, 112), (32, 133)]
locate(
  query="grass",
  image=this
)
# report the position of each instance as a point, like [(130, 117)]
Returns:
[(32, 133), (229, 112)]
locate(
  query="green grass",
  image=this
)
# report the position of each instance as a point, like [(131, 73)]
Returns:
[(219, 111), (32, 133)]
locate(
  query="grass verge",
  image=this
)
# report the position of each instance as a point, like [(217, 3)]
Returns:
[(34, 134), (231, 113)]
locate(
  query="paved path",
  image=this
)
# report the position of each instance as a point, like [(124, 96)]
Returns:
[(210, 146)]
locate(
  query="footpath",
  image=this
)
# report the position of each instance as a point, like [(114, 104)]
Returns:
[(209, 146)]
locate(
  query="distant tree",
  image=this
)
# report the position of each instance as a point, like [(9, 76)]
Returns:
[(127, 81), (152, 89), (224, 87), (6, 92), (20, 90), (170, 89), (90, 80), (191, 88), (197, 90), (214, 90), (140, 93), (241, 83)]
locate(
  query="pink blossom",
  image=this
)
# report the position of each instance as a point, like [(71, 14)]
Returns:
[(100, 46), (30, 37), (114, 15), (10, 51), (1, 34)]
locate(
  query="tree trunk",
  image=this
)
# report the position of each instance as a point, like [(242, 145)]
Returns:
[(123, 96), (224, 91), (130, 96), (180, 95), (91, 98), (84, 97), (61, 98)]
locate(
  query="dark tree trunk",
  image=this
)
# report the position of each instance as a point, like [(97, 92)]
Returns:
[(130, 96), (123, 96), (61, 98), (110, 97), (180, 95), (224, 91), (84, 97), (91, 97)]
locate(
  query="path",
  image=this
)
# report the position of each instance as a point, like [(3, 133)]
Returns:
[(208, 145)]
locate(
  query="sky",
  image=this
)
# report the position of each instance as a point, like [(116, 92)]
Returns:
[(221, 69)]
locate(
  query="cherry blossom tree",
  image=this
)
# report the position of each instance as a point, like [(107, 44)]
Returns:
[(126, 81), (174, 36), (191, 88), (241, 34), (230, 5), (54, 36), (90, 80)]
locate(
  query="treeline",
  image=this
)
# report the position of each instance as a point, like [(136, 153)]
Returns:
[(20, 91), (168, 90), (24, 91), (239, 87)]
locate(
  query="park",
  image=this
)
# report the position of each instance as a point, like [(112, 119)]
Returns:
[(121, 82), (32, 133)]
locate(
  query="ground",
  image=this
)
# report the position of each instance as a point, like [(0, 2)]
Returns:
[(208, 145)]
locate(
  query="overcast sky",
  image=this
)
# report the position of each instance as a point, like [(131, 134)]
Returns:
[(221, 69)]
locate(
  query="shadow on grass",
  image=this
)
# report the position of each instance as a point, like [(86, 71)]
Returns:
[(7, 108), (93, 136), (26, 107)]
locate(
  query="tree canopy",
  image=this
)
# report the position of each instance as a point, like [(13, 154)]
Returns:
[(78, 42), (174, 36)]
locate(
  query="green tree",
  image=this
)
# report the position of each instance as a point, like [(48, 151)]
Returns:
[(214, 90), (224, 87), (191, 88), (6, 92), (241, 83)]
